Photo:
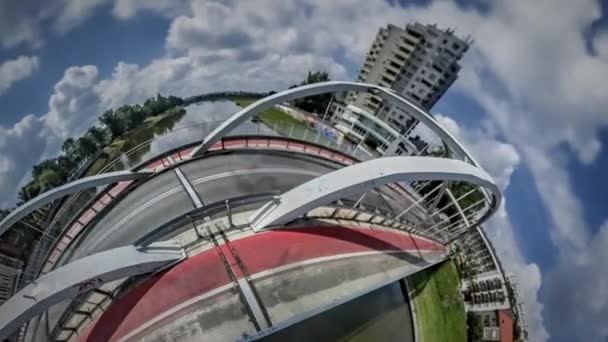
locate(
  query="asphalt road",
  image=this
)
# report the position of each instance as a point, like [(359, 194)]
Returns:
[(215, 178)]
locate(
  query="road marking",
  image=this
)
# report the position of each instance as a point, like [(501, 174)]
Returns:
[(188, 187), (201, 180)]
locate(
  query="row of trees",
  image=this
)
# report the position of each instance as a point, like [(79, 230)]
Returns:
[(76, 152), (223, 95), (313, 104)]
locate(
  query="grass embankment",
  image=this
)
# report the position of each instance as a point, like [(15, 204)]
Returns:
[(282, 122), (440, 315)]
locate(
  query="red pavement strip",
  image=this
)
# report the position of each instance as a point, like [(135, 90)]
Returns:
[(204, 272)]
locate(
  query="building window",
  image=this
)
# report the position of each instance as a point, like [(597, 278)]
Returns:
[(455, 46), (408, 42), (404, 50)]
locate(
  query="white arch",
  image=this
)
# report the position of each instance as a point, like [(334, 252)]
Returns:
[(361, 177), (326, 87), (67, 189), (82, 275)]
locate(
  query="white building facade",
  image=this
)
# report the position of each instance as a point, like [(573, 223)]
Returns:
[(419, 62)]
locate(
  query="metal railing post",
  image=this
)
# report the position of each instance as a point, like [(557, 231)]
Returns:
[(420, 200), (291, 131), (229, 213), (359, 200)]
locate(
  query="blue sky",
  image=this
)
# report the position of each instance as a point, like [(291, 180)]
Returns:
[(530, 104)]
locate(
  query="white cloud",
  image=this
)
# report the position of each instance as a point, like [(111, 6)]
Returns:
[(71, 13), (528, 69), (73, 106), (73, 102), (578, 296), (14, 70), (498, 158), (20, 147), (26, 22), (600, 44), (529, 279)]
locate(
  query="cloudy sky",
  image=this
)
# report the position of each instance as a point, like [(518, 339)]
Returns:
[(530, 104)]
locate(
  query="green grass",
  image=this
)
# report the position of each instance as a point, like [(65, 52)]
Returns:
[(243, 102), (440, 314), (282, 122)]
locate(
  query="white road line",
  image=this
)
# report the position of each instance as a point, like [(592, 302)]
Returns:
[(195, 182), (188, 187)]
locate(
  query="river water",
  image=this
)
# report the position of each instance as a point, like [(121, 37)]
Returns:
[(180, 129)]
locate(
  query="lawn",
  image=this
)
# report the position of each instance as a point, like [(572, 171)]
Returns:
[(283, 123), (440, 314)]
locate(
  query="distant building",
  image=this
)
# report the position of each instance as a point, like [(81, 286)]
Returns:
[(497, 326), (361, 126), (487, 290), (10, 271), (419, 62), (479, 254)]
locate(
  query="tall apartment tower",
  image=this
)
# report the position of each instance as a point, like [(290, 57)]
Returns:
[(420, 62)]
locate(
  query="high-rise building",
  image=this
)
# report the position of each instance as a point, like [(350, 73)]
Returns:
[(419, 62)]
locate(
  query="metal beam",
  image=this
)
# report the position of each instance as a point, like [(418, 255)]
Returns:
[(322, 88), (67, 189), (365, 176), (83, 275)]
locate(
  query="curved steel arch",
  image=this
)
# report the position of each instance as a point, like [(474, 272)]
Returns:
[(321, 88), (67, 189), (361, 177), (82, 275)]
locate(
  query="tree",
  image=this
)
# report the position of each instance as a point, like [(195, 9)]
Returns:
[(86, 147), (318, 103), (48, 180), (68, 146), (27, 192), (474, 327), (113, 123), (98, 135), (316, 77)]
